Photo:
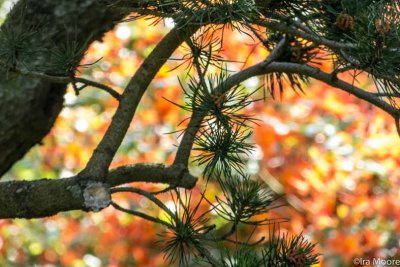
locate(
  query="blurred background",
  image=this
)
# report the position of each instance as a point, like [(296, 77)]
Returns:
[(336, 159)]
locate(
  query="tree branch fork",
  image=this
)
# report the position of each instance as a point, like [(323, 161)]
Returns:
[(47, 197)]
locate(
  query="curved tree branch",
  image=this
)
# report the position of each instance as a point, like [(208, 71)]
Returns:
[(98, 164), (141, 215), (266, 67), (146, 194)]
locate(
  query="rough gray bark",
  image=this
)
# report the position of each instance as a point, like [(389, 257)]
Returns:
[(47, 197), (29, 106)]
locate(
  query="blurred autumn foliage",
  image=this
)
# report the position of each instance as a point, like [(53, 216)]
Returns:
[(335, 158)]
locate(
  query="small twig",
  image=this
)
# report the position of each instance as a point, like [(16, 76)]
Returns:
[(66, 80), (197, 63), (277, 51), (146, 194), (230, 232), (335, 72), (167, 189), (98, 85), (73, 82), (142, 215), (355, 62), (255, 32), (207, 228), (245, 243), (206, 254), (149, 13), (299, 24), (282, 27)]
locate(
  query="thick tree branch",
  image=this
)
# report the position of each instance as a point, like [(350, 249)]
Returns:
[(175, 176), (97, 166), (185, 147), (47, 197)]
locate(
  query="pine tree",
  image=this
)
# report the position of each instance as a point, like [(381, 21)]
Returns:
[(42, 44)]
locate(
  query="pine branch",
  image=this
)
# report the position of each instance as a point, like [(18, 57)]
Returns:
[(321, 76), (267, 67), (283, 25), (47, 197), (185, 147), (175, 176), (146, 194), (141, 215), (102, 156)]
